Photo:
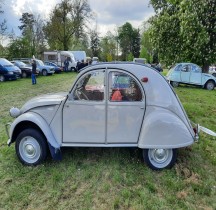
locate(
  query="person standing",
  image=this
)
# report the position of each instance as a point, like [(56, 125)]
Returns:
[(66, 64), (33, 75)]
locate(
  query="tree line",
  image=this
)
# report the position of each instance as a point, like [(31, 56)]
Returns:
[(180, 31)]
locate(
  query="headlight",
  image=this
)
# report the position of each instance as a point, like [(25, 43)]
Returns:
[(14, 112), (10, 72)]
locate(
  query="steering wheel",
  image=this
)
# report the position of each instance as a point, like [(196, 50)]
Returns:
[(80, 94)]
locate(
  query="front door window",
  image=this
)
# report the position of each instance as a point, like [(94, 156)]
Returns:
[(90, 87)]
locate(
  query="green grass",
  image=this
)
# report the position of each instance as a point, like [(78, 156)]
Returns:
[(108, 178)]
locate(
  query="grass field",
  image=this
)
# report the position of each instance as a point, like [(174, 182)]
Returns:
[(108, 178)]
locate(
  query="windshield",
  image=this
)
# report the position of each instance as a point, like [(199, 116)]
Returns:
[(20, 64), (40, 63)]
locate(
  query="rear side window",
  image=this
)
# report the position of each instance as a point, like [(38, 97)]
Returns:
[(196, 69), (122, 87)]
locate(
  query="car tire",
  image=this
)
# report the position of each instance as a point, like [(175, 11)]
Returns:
[(158, 159), (2, 78), (31, 147), (73, 69), (210, 85), (174, 84), (24, 75), (44, 72)]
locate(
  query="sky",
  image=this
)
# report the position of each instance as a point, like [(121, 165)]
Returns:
[(109, 14)]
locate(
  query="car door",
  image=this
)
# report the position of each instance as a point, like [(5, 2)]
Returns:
[(125, 108), (84, 113), (185, 73), (196, 75)]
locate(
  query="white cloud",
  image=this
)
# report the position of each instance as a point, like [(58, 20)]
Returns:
[(110, 14)]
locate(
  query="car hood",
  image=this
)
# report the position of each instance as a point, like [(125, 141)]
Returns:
[(44, 100)]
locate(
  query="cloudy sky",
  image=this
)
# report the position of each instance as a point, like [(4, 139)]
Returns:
[(109, 14)]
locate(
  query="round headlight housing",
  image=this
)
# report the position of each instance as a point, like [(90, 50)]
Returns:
[(14, 112)]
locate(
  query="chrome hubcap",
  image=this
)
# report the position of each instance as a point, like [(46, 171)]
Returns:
[(29, 149), (160, 158), (160, 155)]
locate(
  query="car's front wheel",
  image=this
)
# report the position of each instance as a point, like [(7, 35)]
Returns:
[(44, 73), (158, 159), (210, 85), (24, 74), (2, 78), (31, 147), (174, 84)]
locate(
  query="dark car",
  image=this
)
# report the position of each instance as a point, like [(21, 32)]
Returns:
[(157, 67), (26, 70), (8, 71), (57, 68)]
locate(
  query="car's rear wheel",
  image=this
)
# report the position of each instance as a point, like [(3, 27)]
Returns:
[(174, 84), (2, 78), (210, 85), (31, 147), (24, 75), (158, 159), (44, 73)]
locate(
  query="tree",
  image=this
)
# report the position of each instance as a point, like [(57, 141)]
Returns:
[(94, 43), (19, 48), (108, 47), (146, 44), (185, 31), (80, 14), (32, 30), (66, 23), (198, 30), (129, 40), (3, 26), (136, 43)]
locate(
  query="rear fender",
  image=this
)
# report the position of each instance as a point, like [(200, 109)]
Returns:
[(164, 129)]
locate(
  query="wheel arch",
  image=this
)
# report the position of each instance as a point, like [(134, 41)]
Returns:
[(210, 80), (33, 120)]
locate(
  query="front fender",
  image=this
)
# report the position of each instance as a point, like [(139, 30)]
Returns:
[(164, 129), (36, 119)]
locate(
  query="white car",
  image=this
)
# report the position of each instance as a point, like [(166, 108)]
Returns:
[(212, 70), (109, 105)]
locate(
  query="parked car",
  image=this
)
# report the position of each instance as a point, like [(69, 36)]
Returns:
[(57, 68), (44, 69), (25, 69), (212, 70), (189, 73), (41, 67), (157, 67), (151, 117), (8, 71)]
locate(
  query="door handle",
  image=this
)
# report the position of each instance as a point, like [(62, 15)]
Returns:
[(142, 107)]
